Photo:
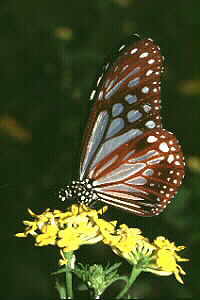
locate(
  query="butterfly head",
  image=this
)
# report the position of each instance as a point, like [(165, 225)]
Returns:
[(82, 191)]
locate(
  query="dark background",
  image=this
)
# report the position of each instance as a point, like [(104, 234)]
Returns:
[(50, 52)]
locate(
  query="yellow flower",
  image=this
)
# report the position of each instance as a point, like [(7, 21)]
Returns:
[(165, 259), (128, 238), (107, 229), (31, 229), (68, 230), (162, 243), (78, 232), (140, 255), (81, 225), (159, 257), (124, 241), (48, 235)]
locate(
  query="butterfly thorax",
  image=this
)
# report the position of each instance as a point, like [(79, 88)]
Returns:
[(81, 190)]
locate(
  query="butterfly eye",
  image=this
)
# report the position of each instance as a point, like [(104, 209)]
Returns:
[(128, 160)]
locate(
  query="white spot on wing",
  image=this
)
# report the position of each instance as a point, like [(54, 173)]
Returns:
[(164, 147), (122, 47), (151, 139), (98, 81), (145, 89), (133, 51), (170, 158), (145, 54), (92, 94), (150, 124), (147, 108), (151, 61), (149, 72), (124, 68), (101, 95)]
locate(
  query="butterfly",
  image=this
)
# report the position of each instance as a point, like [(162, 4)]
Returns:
[(128, 160)]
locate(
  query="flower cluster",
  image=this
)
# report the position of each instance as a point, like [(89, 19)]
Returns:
[(81, 225), (67, 230), (159, 257)]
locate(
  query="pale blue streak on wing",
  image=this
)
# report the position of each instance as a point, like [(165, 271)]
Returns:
[(126, 200), (112, 144), (130, 98), (122, 172), (120, 187), (148, 172), (137, 180), (95, 140), (146, 156), (115, 126), (118, 85), (134, 82), (155, 161), (130, 153), (134, 115), (117, 109), (106, 165)]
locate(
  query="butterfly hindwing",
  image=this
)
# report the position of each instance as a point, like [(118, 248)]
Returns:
[(143, 175)]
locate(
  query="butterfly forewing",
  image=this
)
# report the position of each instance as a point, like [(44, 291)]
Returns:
[(126, 102)]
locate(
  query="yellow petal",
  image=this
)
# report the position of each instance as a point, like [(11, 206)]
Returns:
[(21, 234)]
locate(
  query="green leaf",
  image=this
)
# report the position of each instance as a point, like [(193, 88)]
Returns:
[(112, 268), (98, 278), (62, 270)]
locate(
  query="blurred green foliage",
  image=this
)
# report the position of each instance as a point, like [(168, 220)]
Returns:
[(50, 52)]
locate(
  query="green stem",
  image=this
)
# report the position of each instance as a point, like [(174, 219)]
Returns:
[(61, 289), (68, 276), (134, 274)]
